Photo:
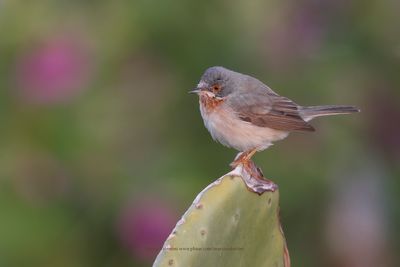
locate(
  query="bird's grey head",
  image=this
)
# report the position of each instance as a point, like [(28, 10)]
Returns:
[(217, 82)]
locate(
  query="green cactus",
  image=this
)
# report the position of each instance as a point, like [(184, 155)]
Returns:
[(232, 222)]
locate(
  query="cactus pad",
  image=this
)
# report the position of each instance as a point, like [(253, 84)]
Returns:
[(232, 222)]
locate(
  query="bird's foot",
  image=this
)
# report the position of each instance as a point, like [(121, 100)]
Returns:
[(252, 174), (250, 167), (244, 159), (253, 177)]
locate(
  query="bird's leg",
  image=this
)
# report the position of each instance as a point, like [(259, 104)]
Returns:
[(249, 154), (238, 159), (239, 156), (243, 158)]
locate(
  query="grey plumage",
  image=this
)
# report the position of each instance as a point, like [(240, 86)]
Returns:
[(242, 112), (255, 102)]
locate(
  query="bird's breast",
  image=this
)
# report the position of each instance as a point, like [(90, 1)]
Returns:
[(225, 127)]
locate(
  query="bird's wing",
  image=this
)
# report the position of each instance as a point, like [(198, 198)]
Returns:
[(268, 109)]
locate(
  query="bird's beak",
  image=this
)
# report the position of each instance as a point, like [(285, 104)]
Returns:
[(202, 91), (195, 91), (200, 88)]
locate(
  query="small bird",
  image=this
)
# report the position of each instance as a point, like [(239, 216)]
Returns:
[(241, 112)]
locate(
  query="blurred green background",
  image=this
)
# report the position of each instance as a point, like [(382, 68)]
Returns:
[(102, 149)]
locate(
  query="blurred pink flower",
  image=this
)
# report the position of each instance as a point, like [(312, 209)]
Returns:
[(54, 71), (143, 227)]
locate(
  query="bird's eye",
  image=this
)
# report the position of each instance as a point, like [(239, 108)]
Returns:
[(216, 88)]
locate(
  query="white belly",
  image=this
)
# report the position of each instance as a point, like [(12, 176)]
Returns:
[(231, 131)]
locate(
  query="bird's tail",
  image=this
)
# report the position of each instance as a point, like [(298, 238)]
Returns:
[(309, 113)]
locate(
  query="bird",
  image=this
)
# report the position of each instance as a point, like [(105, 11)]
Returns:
[(243, 113)]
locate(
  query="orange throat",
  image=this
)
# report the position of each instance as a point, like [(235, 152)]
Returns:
[(210, 103)]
